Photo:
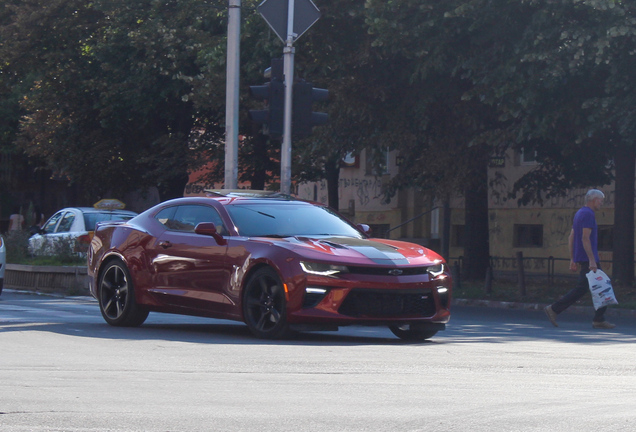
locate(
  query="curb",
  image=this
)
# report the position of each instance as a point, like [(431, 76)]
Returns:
[(611, 311)]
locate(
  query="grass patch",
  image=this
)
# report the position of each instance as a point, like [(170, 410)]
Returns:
[(50, 261)]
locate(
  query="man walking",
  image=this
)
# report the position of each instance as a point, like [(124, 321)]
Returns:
[(583, 243)]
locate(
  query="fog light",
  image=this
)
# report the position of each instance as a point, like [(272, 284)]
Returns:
[(313, 296), (442, 293)]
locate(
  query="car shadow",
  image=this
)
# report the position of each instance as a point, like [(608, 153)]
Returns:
[(469, 325), (202, 333)]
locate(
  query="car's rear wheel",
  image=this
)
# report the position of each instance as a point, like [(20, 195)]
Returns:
[(116, 296), (264, 305), (414, 332)]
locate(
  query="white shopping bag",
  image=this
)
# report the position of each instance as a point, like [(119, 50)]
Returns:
[(601, 289)]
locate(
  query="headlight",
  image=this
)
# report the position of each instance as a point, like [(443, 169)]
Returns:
[(435, 270), (323, 269)]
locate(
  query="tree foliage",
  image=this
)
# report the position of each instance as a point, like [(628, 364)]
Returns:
[(122, 94), (108, 87)]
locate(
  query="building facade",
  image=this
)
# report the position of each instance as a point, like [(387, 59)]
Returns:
[(539, 232)]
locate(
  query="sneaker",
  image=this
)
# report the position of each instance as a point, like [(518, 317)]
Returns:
[(603, 325), (551, 315)]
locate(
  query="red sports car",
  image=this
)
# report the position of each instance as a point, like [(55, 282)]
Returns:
[(276, 263)]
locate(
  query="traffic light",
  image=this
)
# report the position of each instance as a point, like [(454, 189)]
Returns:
[(272, 118), (303, 118)]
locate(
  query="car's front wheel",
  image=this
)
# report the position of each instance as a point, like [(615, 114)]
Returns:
[(414, 332), (116, 296), (264, 305)]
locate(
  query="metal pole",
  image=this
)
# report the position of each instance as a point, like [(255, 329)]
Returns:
[(232, 94), (288, 65)]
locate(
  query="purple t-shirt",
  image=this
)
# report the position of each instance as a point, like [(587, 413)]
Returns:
[(584, 218)]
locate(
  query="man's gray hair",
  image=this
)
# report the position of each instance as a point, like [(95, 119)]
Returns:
[(593, 193)]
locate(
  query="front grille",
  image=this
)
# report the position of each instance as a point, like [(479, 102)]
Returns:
[(382, 303), (388, 271)]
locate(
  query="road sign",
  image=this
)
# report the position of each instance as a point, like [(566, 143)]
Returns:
[(275, 14)]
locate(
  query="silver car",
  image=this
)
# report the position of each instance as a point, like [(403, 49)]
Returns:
[(3, 262), (72, 227)]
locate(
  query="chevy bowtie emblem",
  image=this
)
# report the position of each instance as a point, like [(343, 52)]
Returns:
[(395, 272)]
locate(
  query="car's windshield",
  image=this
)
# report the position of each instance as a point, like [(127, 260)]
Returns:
[(285, 219), (90, 219)]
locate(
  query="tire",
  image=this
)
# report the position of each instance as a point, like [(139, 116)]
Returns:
[(264, 305), (116, 296), (413, 332)]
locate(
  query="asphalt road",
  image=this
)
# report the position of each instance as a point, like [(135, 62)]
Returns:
[(63, 369)]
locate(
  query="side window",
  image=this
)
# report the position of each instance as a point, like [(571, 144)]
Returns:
[(66, 222), (166, 216), (187, 217), (52, 223)]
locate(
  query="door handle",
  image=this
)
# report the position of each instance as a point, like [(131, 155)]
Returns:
[(165, 244)]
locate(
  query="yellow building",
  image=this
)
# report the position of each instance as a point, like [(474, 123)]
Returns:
[(538, 232)]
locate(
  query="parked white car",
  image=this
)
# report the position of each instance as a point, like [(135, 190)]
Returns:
[(3, 262), (72, 227)]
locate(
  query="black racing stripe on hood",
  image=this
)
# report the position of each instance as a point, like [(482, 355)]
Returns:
[(377, 252)]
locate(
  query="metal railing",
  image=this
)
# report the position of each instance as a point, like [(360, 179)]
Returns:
[(517, 266)]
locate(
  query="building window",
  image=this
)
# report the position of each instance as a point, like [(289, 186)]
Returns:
[(606, 238), (377, 162), (457, 236), (527, 236), (379, 230), (528, 157)]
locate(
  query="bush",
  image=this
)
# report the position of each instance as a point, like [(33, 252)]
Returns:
[(59, 252), (17, 244)]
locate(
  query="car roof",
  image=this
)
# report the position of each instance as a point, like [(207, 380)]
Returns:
[(227, 197), (248, 193), (94, 210)]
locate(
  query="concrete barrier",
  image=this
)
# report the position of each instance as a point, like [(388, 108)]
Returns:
[(70, 280)]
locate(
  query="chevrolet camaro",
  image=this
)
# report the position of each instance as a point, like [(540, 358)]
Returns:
[(276, 263)]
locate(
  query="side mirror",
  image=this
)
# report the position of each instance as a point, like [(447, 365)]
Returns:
[(209, 229), (365, 228)]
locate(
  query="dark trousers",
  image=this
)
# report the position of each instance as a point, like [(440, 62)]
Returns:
[(582, 287)]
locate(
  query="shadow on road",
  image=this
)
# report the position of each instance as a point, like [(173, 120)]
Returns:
[(81, 318)]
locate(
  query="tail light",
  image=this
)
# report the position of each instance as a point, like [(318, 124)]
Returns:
[(81, 245)]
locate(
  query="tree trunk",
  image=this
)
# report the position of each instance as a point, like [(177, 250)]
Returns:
[(476, 235), (332, 172), (446, 229), (623, 257)]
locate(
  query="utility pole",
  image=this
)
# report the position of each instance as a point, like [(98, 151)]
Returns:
[(288, 25), (232, 94), (288, 65)]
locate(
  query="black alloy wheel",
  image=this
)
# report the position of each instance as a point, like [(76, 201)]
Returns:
[(264, 305), (413, 332), (116, 297)]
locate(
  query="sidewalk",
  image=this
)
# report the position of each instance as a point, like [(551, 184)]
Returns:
[(612, 311)]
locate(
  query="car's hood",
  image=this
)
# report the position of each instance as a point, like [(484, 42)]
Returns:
[(362, 251)]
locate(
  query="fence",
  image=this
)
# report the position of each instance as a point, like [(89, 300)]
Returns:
[(518, 267)]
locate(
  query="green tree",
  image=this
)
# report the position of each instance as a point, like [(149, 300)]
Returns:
[(109, 106), (445, 138), (569, 91)]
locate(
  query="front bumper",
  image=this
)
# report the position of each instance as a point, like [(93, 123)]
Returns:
[(377, 301)]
